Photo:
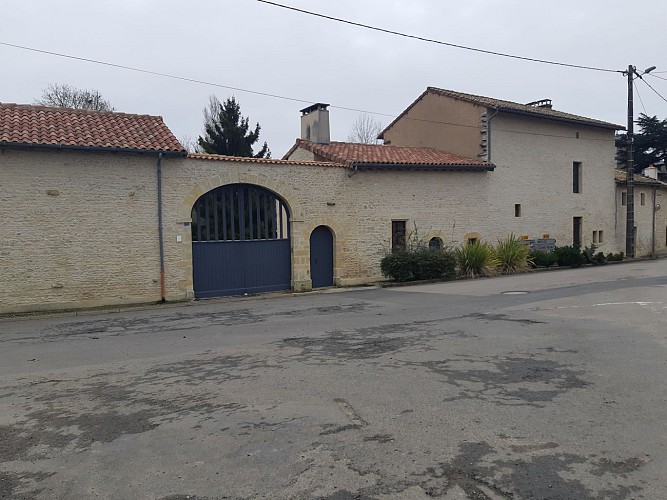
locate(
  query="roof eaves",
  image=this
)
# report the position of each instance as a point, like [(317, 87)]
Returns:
[(424, 166), (582, 121)]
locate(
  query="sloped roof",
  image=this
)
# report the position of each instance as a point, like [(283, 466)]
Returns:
[(621, 177), (272, 161), (509, 107), (379, 156), (35, 126)]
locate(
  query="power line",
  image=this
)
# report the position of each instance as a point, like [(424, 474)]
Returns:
[(264, 94), (651, 87), (439, 42), (656, 76), (640, 98)]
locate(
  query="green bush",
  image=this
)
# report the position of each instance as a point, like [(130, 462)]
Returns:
[(569, 256), (476, 259), (588, 254), (600, 259), (513, 255), (544, 259), (615, 257), (419, 264)]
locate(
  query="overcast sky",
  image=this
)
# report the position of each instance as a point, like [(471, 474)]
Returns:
[(258, 47)]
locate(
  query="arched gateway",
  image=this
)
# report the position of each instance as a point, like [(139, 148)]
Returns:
[(240, 242)]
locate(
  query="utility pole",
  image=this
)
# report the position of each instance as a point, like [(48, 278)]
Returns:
[(630, 196)]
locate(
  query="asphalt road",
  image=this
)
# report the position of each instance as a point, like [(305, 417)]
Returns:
[(453, 390)]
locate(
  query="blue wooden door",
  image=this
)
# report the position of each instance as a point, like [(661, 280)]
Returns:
[(321, 257), (240, 242)]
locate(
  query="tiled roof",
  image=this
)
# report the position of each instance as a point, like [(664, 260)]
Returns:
[(377, 155), (245, 159), (26, 125), (510, 107), (621, 177)]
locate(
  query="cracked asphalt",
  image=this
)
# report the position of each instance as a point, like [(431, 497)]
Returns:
[(458, 390)]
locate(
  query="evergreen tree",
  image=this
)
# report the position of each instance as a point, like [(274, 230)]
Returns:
[(226, 131), (650, 143)]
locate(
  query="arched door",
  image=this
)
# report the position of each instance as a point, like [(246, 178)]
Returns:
[(321, 257), (240, 242)]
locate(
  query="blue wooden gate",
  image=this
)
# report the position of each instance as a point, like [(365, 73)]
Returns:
[(321, 257), (240, 242)]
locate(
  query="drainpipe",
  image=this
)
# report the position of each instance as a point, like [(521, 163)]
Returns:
[(350, 174), (488, 135), (159, 225), (655, 196)]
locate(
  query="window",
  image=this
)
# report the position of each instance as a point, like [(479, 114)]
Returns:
[(642, 199), (624, 199), (576, 231), (397, 235), (576, 177), (517, 210), (435, 243), (600, 236), (595, 236)]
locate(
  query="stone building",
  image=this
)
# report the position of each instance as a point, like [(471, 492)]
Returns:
[(650, 214), (107, 208)]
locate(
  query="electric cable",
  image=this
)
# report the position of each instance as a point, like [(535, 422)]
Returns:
[(439, 42), (256, 92)]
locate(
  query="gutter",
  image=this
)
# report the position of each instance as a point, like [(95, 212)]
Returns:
[(609, 126), (422, 166), (159, 224)]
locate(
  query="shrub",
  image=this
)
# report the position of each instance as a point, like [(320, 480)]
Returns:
[(476, 259), (600, 259), (544, 259), (588, 254), (418, 264), (569, 256), (513, 255), (615, 257)]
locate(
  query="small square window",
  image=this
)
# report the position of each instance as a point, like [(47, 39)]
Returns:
[(624, 199), (517, 210), (642, 199)]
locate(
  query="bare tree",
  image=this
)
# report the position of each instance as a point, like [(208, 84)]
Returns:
[(190, 144), (65, 96), (365, 130)]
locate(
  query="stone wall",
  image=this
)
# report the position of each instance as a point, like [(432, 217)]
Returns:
[(79, 229), (643, 219)]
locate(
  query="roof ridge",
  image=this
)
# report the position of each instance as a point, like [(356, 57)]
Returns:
[(42, 107)]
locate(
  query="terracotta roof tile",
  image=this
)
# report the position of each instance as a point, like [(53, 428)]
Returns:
[(621, 177), (353, 154), (27, 125), (509, 107), (245, 159)]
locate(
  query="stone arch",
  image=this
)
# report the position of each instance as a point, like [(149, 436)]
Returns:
[(338, 242), (472, 236), (225, 178)]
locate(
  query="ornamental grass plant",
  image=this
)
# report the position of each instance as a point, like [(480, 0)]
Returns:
[(476, 259), (513, 255)]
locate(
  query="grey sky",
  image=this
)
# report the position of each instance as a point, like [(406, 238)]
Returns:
[(250, 45)]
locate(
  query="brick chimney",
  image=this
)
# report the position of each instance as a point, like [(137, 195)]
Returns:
[(315, 123)]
